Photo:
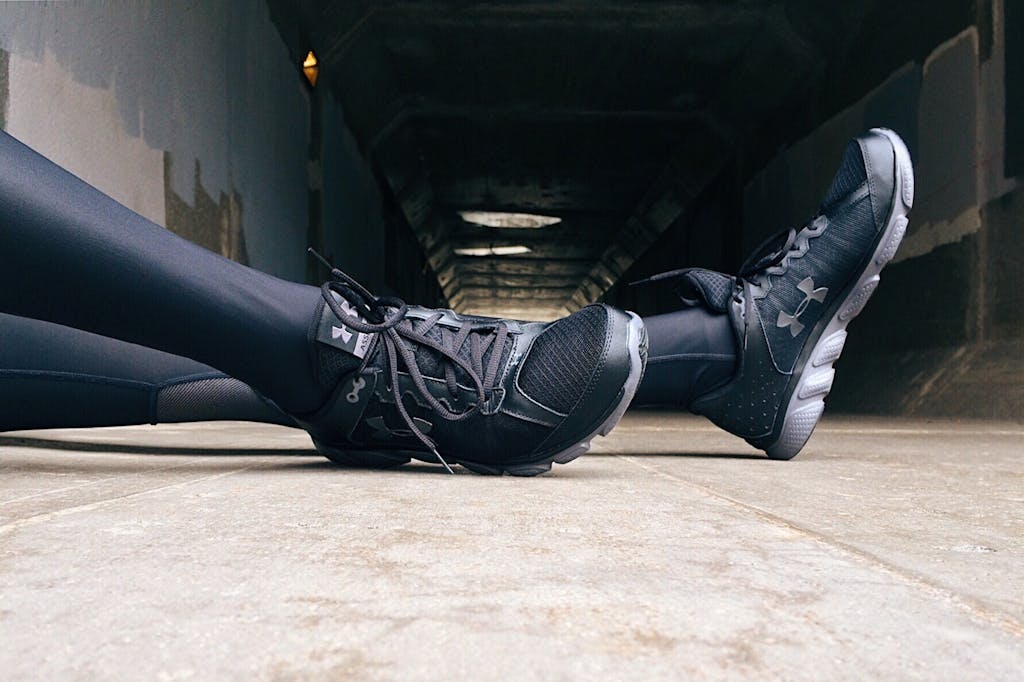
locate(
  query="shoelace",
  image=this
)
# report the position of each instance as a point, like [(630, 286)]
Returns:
[(769, 253), (386, 317)]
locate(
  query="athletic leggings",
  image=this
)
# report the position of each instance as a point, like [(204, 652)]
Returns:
[(57, 377), (113, 320), (53, 376), (74, 256)]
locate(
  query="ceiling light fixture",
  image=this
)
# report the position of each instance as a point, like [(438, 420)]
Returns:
[(512, 220), (493, 250)]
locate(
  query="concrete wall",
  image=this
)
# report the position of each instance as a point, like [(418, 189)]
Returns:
[(196, 115), (944, 334), (192, 114)]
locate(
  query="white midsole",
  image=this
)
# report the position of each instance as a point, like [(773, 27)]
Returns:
[(807, 401)]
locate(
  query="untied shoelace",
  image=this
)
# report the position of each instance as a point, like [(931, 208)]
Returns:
[(768, 254), (386, 317)]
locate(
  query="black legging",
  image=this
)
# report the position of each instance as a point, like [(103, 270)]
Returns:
[(57, 377), (74, 256), (53, 376), (110, 279)]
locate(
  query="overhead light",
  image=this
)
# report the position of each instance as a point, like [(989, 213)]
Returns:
[(493, 250), (513, 220), (311, 67)]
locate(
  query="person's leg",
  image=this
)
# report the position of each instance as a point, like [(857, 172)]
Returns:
[(53, 376), (790, 304), (712, 356), (74, 256), (367, 377), (690, 352)]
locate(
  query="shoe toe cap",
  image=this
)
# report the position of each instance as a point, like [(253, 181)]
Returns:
[(580, 367), (879, 160), (562, 361)]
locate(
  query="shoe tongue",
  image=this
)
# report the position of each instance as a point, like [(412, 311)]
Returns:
[(851, 174), (707, 287)]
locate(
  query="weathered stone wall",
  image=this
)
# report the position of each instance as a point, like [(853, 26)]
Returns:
[(192, 114)]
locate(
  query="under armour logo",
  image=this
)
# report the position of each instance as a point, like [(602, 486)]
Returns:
[(357, 385), (810, 294), (343, 331)]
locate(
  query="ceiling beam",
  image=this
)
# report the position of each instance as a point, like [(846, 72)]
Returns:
[(469, 292), (472, 279), (695, 164), (507, 265), (689, 15)]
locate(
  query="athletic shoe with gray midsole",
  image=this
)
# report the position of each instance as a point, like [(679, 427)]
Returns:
[(496, 396), (792, 301)]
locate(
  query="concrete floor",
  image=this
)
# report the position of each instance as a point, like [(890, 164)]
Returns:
[(887, 550)]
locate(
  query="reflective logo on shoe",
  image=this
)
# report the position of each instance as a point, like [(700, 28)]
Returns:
[(333, 332), (810, 294), (357, 385), (342, 332)]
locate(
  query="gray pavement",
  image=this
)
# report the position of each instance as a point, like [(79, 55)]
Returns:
[(889, 549)]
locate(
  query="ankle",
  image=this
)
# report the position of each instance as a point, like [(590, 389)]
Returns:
[(692, 352)]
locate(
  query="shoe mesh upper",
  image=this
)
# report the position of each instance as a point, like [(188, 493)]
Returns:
[(714, 287), (850, 175), (832, 259), (332, 365), (563, 359)]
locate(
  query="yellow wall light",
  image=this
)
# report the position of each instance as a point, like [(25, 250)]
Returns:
[(311, 67)]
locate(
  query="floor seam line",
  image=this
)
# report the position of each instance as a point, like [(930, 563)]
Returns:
[(87, 484), (976, 612), (55, 491), (67, 511)]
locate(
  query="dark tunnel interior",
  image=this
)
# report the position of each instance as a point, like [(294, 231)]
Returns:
[(622, 119), (661, 135)]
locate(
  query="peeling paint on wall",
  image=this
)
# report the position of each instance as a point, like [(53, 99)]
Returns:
[(78, 126), (214, 224), (106, 89)]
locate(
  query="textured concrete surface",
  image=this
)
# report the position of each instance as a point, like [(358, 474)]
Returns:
[(887, 550)]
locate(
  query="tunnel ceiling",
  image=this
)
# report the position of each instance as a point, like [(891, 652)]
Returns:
[(612, 116)]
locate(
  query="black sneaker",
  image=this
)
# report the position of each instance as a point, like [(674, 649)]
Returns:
[(496, 396), (792, 300)]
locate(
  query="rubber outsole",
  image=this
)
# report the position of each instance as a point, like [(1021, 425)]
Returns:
[(637, 343), (807, 400)]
